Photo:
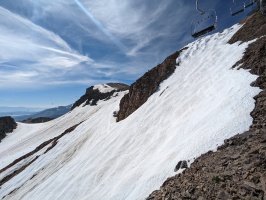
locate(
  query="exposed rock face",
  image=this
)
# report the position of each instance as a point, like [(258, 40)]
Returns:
[(144, 87), (7, 125), (92, 96), (238, 169), (37, 120), (254, 59), (254, 27), (235, 171)]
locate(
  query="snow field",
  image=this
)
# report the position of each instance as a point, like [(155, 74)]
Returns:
[(103, 88), (193, 111)]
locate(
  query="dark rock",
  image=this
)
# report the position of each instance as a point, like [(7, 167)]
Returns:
[(184, 165), (115, 114), (263, 139), (177, 167), (7, 125)]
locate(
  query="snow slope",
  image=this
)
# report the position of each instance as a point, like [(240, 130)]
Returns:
[(194, 110)]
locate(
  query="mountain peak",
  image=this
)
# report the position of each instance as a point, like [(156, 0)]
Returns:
[(108, 87), (99, 92)]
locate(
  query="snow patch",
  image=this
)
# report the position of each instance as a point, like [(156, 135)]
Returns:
[(103, 88)]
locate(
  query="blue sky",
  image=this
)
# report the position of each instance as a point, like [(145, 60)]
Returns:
[(51, 51)]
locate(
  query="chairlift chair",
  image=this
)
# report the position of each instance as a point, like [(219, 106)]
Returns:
[(249, 3), (238, 8), (203, 23)]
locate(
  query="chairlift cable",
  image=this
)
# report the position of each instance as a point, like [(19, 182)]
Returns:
[(197, 8)]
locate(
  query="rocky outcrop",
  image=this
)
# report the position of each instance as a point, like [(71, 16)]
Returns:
[(7, 125), (144, 87), (254, 27), (181, 165), (254, 59), (237, 170), (37, 120), (92, 96)]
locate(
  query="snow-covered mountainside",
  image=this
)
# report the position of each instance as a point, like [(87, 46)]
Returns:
[(237, 170), (85, 154)]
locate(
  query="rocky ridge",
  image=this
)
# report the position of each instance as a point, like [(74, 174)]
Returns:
[(144, 87), (37, 120), (237, 170), (7, 125), (92, 95)]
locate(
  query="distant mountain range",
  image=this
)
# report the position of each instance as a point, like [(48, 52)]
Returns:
[(23, 113), (18, 110), (48, 113)]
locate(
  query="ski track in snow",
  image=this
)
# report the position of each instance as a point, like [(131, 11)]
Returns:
[(194, 110)]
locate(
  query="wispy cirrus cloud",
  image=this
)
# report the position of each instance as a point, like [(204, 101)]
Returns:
[(30, 53), (140, 24), (83, 42), (49, 40), (48, 44), (133, 25)]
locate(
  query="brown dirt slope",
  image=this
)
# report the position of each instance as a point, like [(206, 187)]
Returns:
[(237, 170)]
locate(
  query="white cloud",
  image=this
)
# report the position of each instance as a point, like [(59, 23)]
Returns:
[(138, 23), (131, 24), (29, 52), (47, 42)]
